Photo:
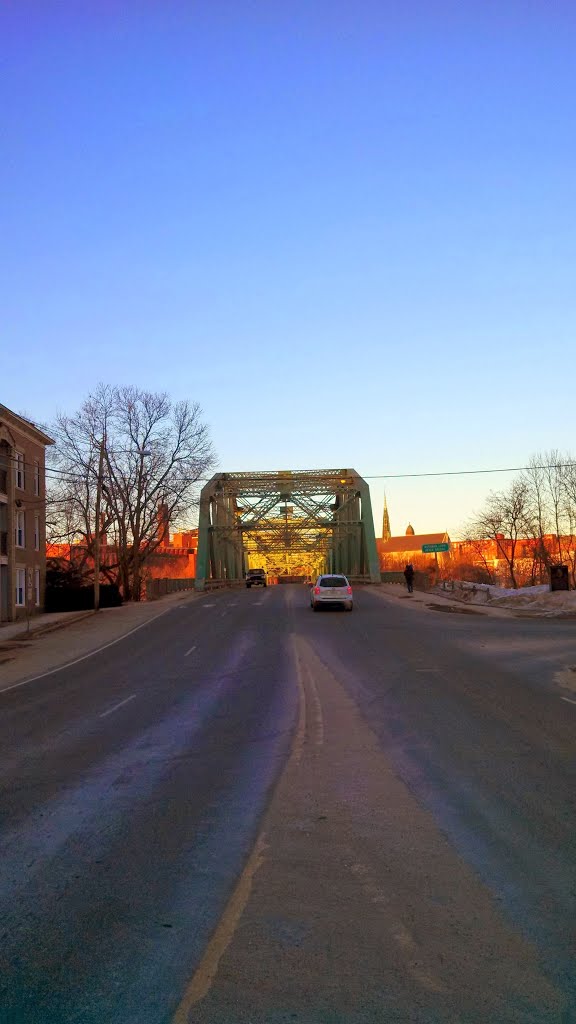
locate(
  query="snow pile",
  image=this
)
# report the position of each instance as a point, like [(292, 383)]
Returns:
[(561, 602), (531, 599)]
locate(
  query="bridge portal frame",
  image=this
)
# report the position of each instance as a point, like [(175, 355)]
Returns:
[(329, 518)]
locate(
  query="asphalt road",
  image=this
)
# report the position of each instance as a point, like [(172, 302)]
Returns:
[(408, 780)]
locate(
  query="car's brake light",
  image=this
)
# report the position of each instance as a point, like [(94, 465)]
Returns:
[(316, 590), (348, 590)]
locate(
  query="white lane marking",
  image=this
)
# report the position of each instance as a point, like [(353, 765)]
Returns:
[(568, 701), (222, 614), (319, 720), (77, 661), (190, 651), (207, 606), (116, 706), (301, 727), (232, 604)]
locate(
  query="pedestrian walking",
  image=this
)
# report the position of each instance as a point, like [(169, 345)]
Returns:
[(409, 577)]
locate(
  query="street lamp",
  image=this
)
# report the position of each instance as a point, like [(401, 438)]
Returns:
[(99, 485)]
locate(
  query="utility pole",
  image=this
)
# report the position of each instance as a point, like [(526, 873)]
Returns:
[(99, 484)]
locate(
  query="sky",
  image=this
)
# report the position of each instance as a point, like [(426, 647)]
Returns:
[(348, 230)]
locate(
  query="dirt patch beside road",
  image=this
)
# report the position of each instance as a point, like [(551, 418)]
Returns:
[(458, 609)]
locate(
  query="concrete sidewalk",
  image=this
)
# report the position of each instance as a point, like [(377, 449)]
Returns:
[(54, 640), (38, 624)]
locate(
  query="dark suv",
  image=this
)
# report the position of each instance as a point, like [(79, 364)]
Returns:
[(256, 577)]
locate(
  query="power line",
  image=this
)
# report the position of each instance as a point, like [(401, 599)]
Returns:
[(448, 472), (54, 473), (49, 471), (466, 472)]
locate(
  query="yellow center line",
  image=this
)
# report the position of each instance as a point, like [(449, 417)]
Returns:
[(205, 974), (207, 969), (319, 719)]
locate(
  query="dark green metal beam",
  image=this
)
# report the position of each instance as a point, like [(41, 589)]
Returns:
[(330, 514)]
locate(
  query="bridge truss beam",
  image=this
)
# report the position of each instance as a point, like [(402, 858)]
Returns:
[(291, 523)]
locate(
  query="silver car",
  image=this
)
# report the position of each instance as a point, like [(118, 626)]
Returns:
[(332, 589)]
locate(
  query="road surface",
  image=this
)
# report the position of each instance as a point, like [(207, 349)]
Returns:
[(247, 813)]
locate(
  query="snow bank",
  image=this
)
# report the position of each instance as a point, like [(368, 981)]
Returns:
[(537, 599)]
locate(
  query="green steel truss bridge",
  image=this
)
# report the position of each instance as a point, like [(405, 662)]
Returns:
[(291, 523)]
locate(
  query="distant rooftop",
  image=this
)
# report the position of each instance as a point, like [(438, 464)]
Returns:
[(411, 542), (5, 411)]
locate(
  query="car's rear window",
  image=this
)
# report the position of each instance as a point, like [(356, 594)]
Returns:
[(333, 581)]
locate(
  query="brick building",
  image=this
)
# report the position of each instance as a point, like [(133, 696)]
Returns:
[(395, 552), (22, 516), (174, 558)]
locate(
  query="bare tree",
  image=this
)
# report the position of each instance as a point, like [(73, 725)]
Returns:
[(73, 487), (554, 472), (507, 518), (142, 455), (473, 563), (537, 480), (552, 480), (569, 489)]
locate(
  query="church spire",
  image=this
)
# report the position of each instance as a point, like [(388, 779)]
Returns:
[(386, 531)]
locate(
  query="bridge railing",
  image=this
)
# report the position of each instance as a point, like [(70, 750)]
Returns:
[(421, 579), (358, 581), (156, 588), (219, 584)]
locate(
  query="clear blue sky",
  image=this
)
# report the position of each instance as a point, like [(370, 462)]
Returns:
[(347, 229)]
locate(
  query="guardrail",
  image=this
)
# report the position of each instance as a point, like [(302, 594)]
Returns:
[(421, 579), (156, 588), (465, 591), (354, 580), (219, 584), (392, 577)]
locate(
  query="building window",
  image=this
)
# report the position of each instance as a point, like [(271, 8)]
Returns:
[(19, 468), (37, 586), (20, 587), (36, 477), (3, 528), (36, 532), (4, 464), (20, 530)]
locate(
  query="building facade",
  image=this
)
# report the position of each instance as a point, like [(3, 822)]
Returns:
[(395, 552), (22, 516), (174, 558), (531, 557)]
